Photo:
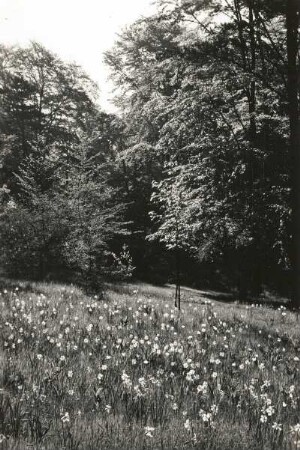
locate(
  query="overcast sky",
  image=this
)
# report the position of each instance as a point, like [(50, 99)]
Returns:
[(77, 30)]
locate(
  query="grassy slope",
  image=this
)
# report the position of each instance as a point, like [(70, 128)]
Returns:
[(84, 373)]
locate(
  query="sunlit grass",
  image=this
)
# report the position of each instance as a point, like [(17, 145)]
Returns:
[(129, 371)]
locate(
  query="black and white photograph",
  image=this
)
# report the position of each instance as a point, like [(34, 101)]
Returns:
[(149, 224)]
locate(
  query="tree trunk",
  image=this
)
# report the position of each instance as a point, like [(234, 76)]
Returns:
[(42, 265), (177, 290), (255, 272), (252, 90), (292, 24)]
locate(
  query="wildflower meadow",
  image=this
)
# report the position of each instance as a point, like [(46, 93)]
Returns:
[(129, 371)]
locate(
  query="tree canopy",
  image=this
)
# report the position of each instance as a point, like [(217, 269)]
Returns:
[(196, 178), (60, 212), (205, 84)]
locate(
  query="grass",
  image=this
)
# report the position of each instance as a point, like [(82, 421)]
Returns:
[(129, 371)]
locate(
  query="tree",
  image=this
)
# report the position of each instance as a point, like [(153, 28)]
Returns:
[(292, 26), (60, 211), (44, 103), (138, 167), (95, 217), (215, 104), (66, 225), (245, 48), (175, 229), (136, 61), (33, 226)]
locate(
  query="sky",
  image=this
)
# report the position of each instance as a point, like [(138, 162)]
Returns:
[(76, 30)]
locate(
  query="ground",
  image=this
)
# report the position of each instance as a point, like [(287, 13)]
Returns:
[(129, 371)]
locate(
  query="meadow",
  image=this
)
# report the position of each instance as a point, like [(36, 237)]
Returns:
[(129, 371)]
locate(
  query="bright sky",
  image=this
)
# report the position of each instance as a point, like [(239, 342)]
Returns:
[(76, 30)]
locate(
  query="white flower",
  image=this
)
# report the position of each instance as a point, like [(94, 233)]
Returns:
[(11, 205), (202, 388), (295, 429), (107, 408), (149, 431), (126, 380), (65, 418), (187, 425), (214, 409), (277, 426), (270, 410)]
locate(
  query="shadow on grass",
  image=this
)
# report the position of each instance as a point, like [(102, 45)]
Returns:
[(21, 285)]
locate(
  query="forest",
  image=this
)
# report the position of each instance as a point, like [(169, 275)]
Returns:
[(193, 182)]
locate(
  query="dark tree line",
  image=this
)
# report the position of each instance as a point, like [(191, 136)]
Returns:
[(292, 26), (61, 215), (213, 88), (203, 161)]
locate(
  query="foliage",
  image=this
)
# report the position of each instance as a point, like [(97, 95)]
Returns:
[(94, 215), (60, 212), (199, 163), (44, 102), (204, 83)]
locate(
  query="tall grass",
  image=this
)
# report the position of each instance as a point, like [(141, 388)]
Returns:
[(130, 372)]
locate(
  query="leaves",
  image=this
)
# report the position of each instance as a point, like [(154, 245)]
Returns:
[(211, 101)]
